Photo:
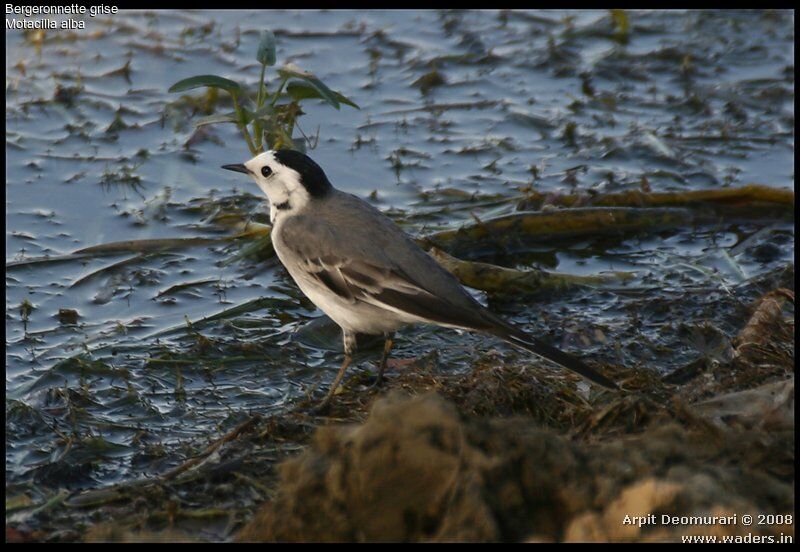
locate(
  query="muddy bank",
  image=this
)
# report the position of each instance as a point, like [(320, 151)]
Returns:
[(159, 358), (514, 450), (428, 468), (417, 470)]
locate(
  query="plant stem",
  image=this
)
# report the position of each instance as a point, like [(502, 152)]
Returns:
[(243, 125), (260, 97), (259, 136), (279, 90)]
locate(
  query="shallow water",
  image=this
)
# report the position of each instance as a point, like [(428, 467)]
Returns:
[(549, 100)]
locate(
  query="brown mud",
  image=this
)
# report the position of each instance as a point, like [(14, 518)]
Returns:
[(515, 452)]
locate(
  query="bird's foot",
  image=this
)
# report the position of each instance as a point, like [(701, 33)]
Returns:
[(379, 379), (323, 408), (378, 383)]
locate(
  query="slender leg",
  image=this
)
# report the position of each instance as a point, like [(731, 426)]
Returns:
[(387, 347), (349, 348)]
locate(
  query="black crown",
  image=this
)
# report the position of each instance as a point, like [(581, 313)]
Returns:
[(312, 177)]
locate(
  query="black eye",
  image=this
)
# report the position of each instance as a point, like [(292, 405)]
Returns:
[(266, 171)]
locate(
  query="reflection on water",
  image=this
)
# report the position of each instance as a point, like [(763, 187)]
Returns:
[(137, 355)]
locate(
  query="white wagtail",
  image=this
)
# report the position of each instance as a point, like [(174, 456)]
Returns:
[(363, 271)]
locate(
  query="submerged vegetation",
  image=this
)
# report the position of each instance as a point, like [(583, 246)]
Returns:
[(272, 117), (619, 182)]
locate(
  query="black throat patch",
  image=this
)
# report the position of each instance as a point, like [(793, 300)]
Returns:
[(283, 205)]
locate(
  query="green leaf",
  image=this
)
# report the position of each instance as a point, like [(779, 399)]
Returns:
[(212, 119), (277, 137), (266, 48), (263, 113), (302, 91), (324, 92), (212, 81), (346, 101)]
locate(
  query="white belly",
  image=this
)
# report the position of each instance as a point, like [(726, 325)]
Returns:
[(358, 317)]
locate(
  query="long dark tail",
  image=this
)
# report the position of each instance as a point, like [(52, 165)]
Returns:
[(517, 337)]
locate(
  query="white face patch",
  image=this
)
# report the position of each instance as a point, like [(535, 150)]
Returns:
[(281, 185)]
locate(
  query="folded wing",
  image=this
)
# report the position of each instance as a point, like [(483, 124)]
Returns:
[(392, 289), (333, 255)]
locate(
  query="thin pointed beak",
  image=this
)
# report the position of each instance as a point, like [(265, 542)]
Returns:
[(237, 167)]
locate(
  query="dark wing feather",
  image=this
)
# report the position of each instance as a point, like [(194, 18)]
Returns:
[(333, 280), (394, 290), (327, 246), (391, 288)]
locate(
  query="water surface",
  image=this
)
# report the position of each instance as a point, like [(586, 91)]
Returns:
[(98, 151)]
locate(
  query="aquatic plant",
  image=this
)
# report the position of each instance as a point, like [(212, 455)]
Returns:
[(271, 118)]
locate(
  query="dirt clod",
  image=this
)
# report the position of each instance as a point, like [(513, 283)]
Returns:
[(417, 470)]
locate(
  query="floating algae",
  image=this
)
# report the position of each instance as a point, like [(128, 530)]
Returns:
[(743, 198), (699, 101), (508, 281), (533, 227)]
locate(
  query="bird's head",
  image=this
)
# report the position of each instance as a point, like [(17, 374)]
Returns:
[(290, 179)]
